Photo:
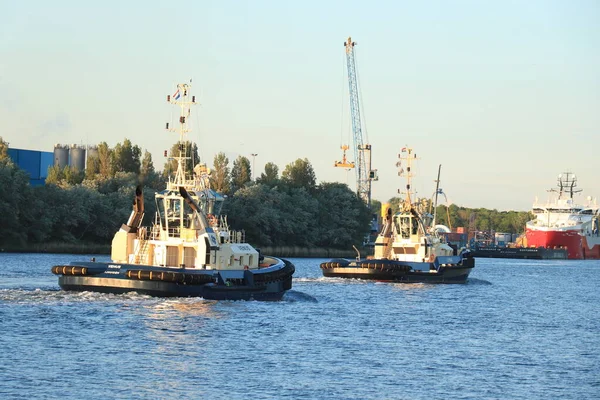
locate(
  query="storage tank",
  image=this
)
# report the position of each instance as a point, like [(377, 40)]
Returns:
[(77, 157), (92, 151), (502, 239), (61, 155)]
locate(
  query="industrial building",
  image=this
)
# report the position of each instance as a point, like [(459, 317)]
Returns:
[(36, 163)]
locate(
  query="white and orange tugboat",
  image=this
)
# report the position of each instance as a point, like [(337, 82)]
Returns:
[(189, 250), (409, 247)]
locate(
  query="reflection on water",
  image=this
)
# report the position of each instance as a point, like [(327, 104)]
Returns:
[(410, 287), (329, 338), (181, 308)]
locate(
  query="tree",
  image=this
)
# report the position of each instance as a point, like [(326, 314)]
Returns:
[(219, 179), (14, 199), (189, 151), (148, 176), (126, 157), (300, 173), (105, 158), (3, 150), (55, 175), (375, 207), (240, 173), (73, 176), (270, 176), (271, 216), (255, 209), (344, 219), (92, 167)]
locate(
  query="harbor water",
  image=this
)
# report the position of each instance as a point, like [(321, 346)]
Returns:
[(518, 329)]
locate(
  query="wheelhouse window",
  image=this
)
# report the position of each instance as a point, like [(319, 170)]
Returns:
[(403, 226)]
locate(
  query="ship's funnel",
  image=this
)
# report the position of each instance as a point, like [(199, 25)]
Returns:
[(135, 219), (188, 199), (138, 202), (194, 206)]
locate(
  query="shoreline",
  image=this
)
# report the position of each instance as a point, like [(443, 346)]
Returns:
[(86, 248)]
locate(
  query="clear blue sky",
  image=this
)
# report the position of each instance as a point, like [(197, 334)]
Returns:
[(505, 94)]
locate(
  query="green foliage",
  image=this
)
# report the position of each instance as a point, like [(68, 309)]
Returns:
[(255, 209), (105, 160), (240, 173), (375, 207), (121, 181), (65, 177), (73, 176), (186, 149), (126, 157), (3, 150), (78, 214), (274, 217), (55, 175), (219, 178), (15, 194), (343, 218), (148, 176), (331, 217), (270, 176), (299, 174), (288, 211), (92, 167)]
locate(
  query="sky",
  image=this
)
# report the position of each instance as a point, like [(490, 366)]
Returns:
[(505, 95)]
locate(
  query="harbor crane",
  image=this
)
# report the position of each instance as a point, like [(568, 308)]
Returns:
[(362, 150)]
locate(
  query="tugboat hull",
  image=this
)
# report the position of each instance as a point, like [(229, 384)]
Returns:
[(453, 270), (268, 283), (189, 249)]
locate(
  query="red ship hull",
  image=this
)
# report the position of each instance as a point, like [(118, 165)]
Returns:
[(578, 247)]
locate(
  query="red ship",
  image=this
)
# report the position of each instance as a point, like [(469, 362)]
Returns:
[(563, 223)]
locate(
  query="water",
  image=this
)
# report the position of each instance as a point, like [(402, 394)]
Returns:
[(519, 329)]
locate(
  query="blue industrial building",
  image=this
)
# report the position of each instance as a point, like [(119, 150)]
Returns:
[(35, 163)]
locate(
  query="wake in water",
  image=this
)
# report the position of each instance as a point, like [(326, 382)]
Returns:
[(295, 296), (475, 281), (55, 296), (324, 280)]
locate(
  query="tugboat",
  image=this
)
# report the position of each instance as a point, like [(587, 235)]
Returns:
[(409, 248), (189, 249)]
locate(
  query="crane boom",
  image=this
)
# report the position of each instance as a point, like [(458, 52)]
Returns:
[(362, 150)]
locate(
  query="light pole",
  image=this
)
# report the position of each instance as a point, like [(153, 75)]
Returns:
[(253, 156)]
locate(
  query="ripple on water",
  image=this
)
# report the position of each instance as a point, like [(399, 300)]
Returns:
[(514, 330)]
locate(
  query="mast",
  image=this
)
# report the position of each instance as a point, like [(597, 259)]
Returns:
[(184, 100), (566, 181), (437, 191), (406, 173)]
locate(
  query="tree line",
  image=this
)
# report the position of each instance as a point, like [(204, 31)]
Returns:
[(287, 209)]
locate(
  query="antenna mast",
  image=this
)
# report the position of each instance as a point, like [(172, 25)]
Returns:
[(406, 173), (437, 191), (181, 98)]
